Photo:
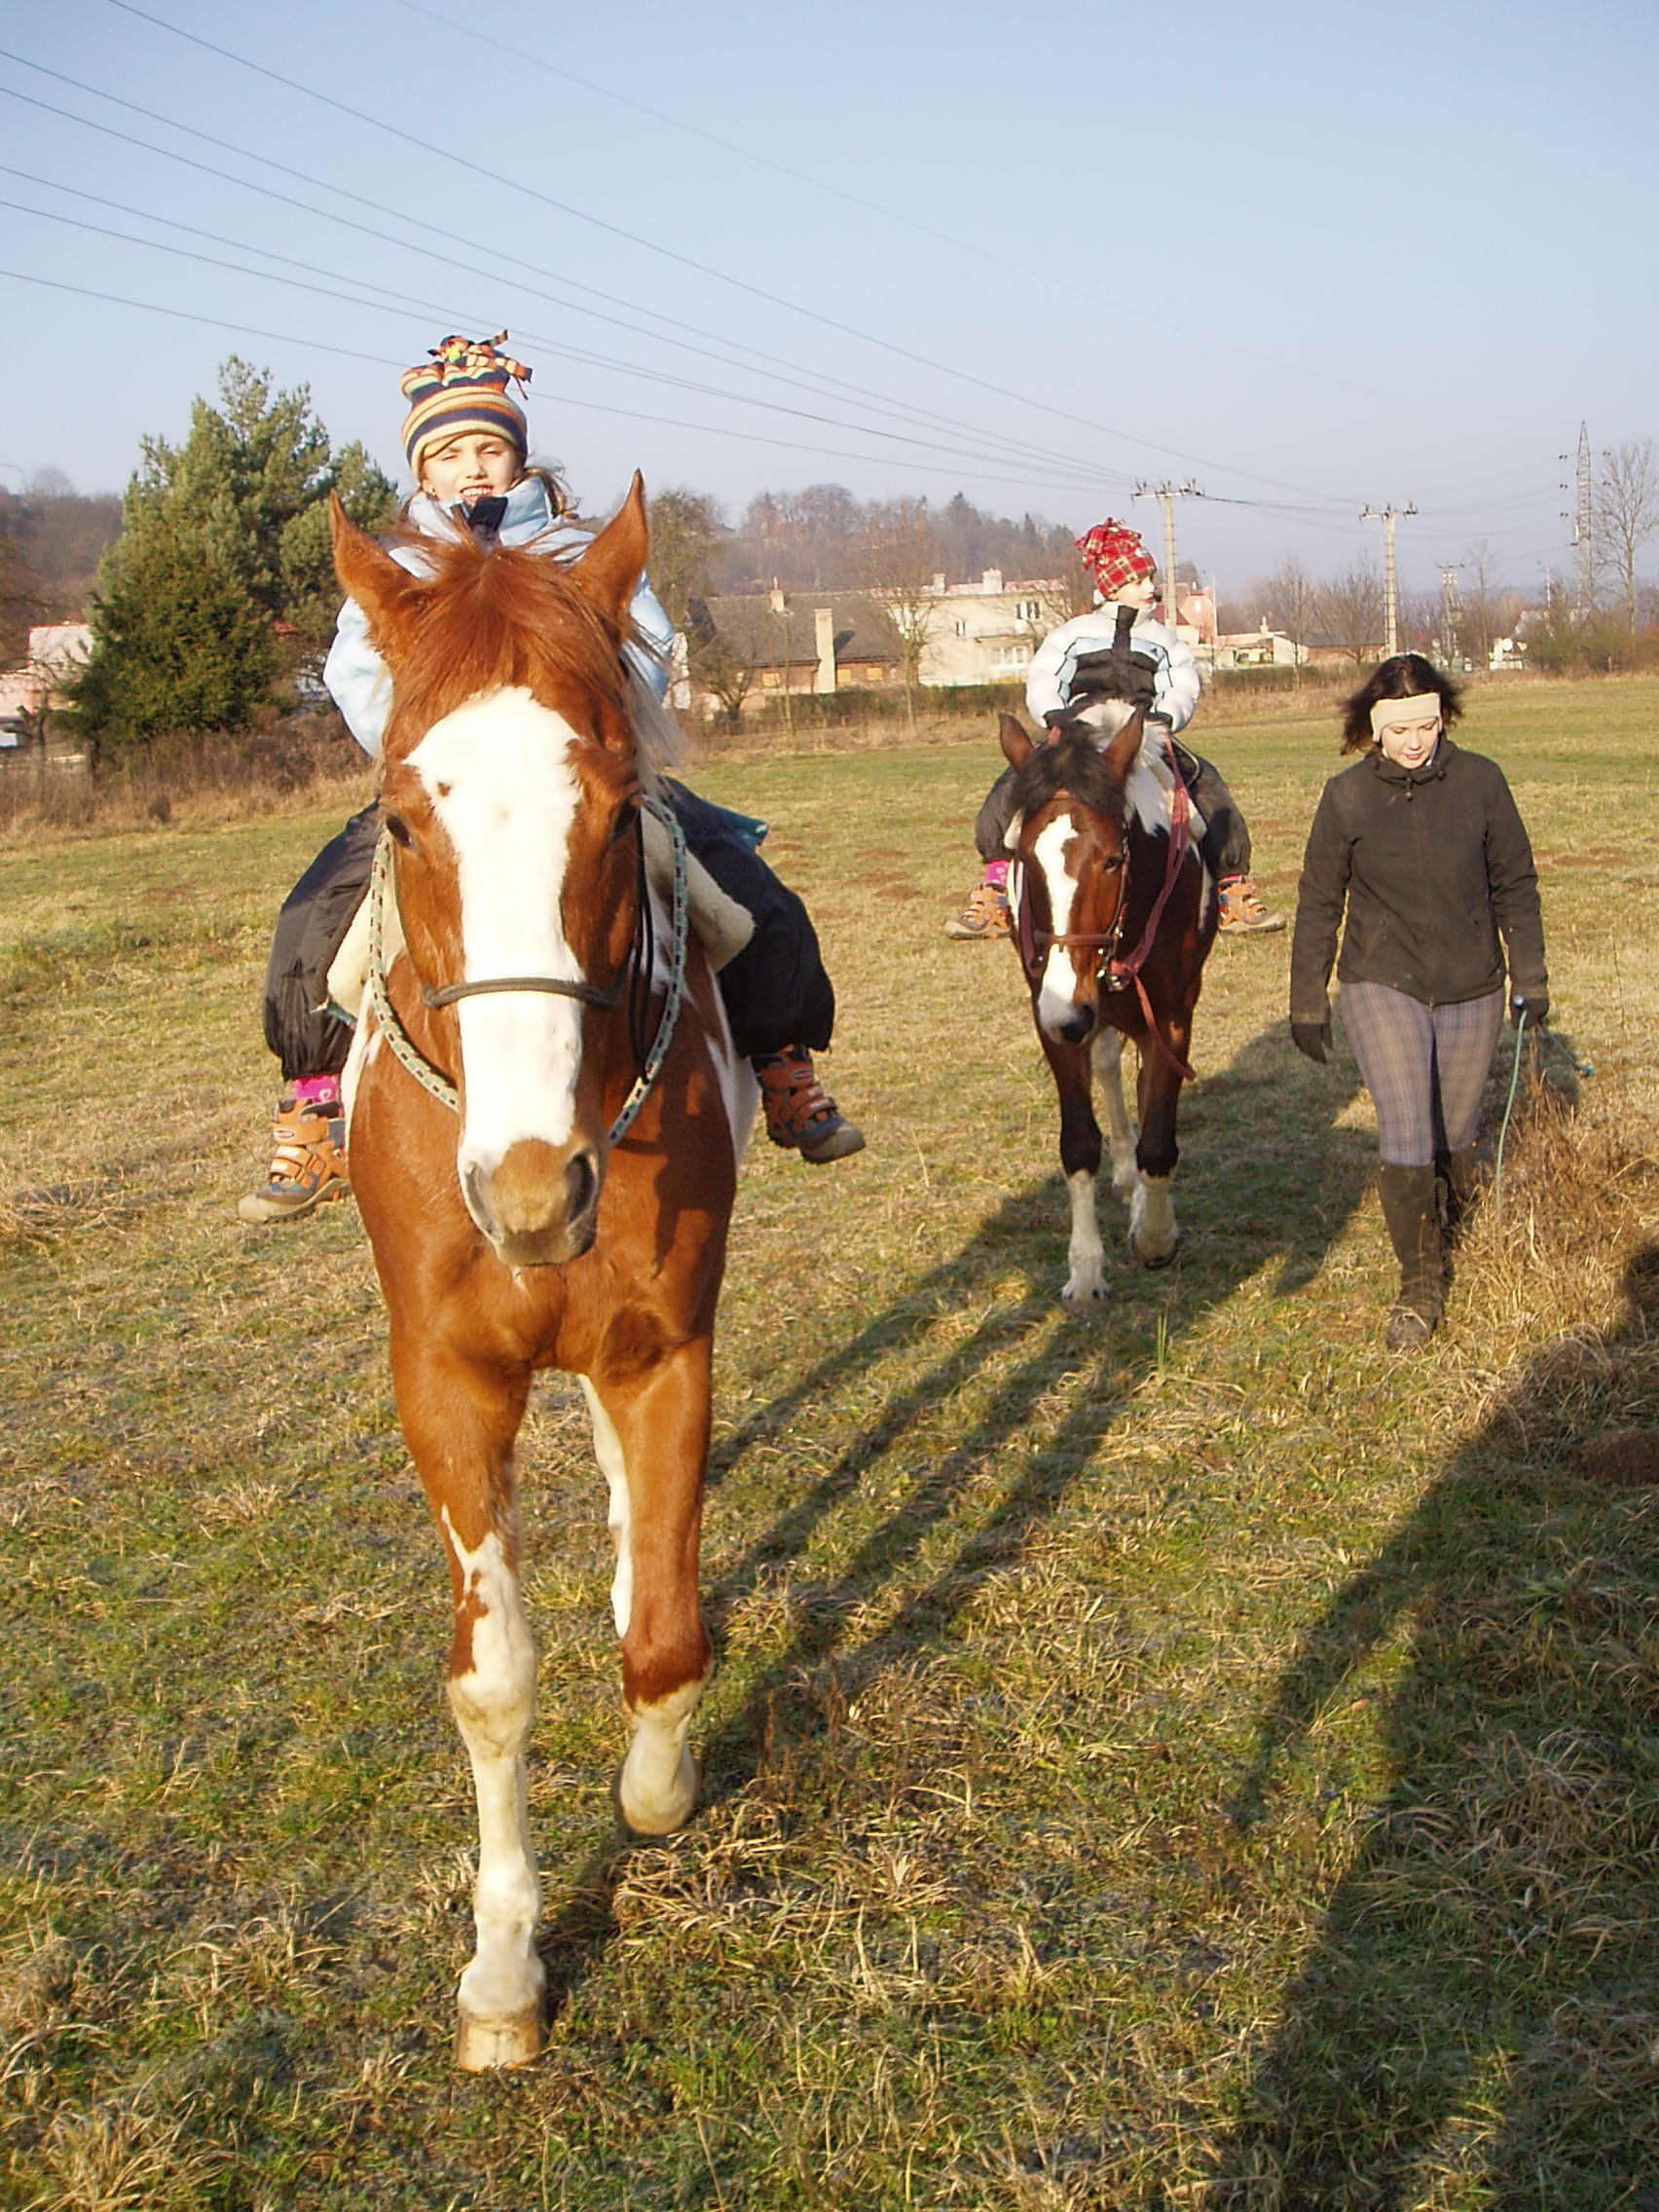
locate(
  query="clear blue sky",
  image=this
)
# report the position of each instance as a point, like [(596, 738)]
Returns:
[(1311, 257)]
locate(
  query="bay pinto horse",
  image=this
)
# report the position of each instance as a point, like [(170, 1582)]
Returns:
[(1113, 921), (509, 1232)]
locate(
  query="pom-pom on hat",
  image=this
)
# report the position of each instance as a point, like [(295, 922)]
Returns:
[(1116, 554), (463, 387)]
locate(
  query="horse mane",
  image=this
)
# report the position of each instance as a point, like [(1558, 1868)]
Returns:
[(1075, 764), (508, 615)]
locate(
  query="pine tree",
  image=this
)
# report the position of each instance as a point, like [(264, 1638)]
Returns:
[(222, 538)]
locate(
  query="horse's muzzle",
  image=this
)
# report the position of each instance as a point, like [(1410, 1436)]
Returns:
[(540, 1206)]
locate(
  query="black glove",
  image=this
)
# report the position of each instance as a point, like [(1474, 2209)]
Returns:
[(1535, 1007), (1312, 1039)]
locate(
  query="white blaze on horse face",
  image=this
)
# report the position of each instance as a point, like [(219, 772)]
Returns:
[(500, 778), (1056, 1000)]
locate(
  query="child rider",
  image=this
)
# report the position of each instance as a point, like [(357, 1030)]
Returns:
[(1090, 669), (466, 439)]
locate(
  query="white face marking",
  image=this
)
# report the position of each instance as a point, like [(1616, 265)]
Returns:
[(500, 776), (1058, 996)]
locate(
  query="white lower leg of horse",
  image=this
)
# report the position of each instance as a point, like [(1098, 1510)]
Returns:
[(657, 1788), (1087, 1254), (1152, 1229), (1120, 1130), (493, 1701), (608, 1450)]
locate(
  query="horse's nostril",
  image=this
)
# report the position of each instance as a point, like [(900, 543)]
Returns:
[(580, 1184), (1076, 1026)]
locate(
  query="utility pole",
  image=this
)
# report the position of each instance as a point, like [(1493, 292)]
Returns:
[(1584, 524), (1168, 492), (1450, 609), (1387, 516)]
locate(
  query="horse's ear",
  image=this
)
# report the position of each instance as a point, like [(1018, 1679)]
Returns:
[(1124, 747), (1016, 746), (386, 591), (610, 569)]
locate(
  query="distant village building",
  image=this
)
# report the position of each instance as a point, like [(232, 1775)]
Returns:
[(751, 647), (1258, 649), (986, 632), (27, 693)]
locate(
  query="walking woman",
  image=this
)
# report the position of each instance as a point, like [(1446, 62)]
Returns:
[(1424, 846)]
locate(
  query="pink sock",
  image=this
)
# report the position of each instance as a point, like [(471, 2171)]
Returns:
[(317, 1091), (996, 874)]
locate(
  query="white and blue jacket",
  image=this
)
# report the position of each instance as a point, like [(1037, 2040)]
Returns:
[(1175, 685), (354, 672)]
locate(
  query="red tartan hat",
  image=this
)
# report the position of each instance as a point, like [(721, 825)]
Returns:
[(1115, 553)]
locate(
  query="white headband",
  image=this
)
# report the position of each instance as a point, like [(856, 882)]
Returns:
[(1417, 709)]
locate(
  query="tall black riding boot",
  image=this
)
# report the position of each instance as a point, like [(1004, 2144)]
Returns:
[(1414, 1230), (1454, 1186)]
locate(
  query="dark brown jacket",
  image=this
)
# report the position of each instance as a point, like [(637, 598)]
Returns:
[(1433, 865)]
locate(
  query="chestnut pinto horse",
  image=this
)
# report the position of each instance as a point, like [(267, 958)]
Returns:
[(509, 1232), (1113, 921)]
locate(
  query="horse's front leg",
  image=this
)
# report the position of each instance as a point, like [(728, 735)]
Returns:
[(1153, 1232), (1120, 1130), (460, 1419), (1080, 1158), (651, 1439)]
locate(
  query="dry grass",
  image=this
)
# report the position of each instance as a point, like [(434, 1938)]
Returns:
[(1182, 1757)]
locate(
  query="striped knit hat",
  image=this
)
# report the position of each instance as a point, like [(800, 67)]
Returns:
[(463, 387)]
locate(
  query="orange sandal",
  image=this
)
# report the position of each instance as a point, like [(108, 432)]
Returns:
[(800, 1113), (308, 1165)]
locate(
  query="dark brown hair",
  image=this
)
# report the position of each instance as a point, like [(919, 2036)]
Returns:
[(1406, 677)]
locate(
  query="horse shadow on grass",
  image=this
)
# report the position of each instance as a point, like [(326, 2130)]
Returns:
[(1269, 1179), (1478, 2018)]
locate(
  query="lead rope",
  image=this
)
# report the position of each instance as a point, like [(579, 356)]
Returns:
[(431, 1080)]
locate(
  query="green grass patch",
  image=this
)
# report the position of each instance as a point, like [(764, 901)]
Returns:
[(1180, 1757)]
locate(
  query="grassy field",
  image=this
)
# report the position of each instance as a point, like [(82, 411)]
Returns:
[(1180, 1757)]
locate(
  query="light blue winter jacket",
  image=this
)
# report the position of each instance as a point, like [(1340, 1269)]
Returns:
[(1175, 683), (354, 672)]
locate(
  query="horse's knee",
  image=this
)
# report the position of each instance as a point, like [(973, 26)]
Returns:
[(1080, 1146)]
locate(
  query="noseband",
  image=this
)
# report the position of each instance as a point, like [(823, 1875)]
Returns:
[(642, 960)]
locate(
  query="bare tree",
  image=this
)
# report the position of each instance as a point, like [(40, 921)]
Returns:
[(1350, 610), (1627, 512), (900, 550), (1291, 603), (687, 531)]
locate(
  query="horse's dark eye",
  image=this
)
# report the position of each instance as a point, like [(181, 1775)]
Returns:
[(397, 829), (1112, 861)]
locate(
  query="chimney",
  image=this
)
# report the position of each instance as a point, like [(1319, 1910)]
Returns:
[(824, 635), (939, 583), (780, 605), (991, 581)]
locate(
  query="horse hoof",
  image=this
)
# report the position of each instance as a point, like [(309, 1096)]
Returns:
[(647, 1821), (1080, 1296), (1153, 1261), (493, 2046)]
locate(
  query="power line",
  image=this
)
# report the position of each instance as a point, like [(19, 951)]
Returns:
[(553, 398), (1068, 285), (871, 402), (498, 177), (401, 304)]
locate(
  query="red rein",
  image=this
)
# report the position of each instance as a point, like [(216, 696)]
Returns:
[(1129, 971)]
